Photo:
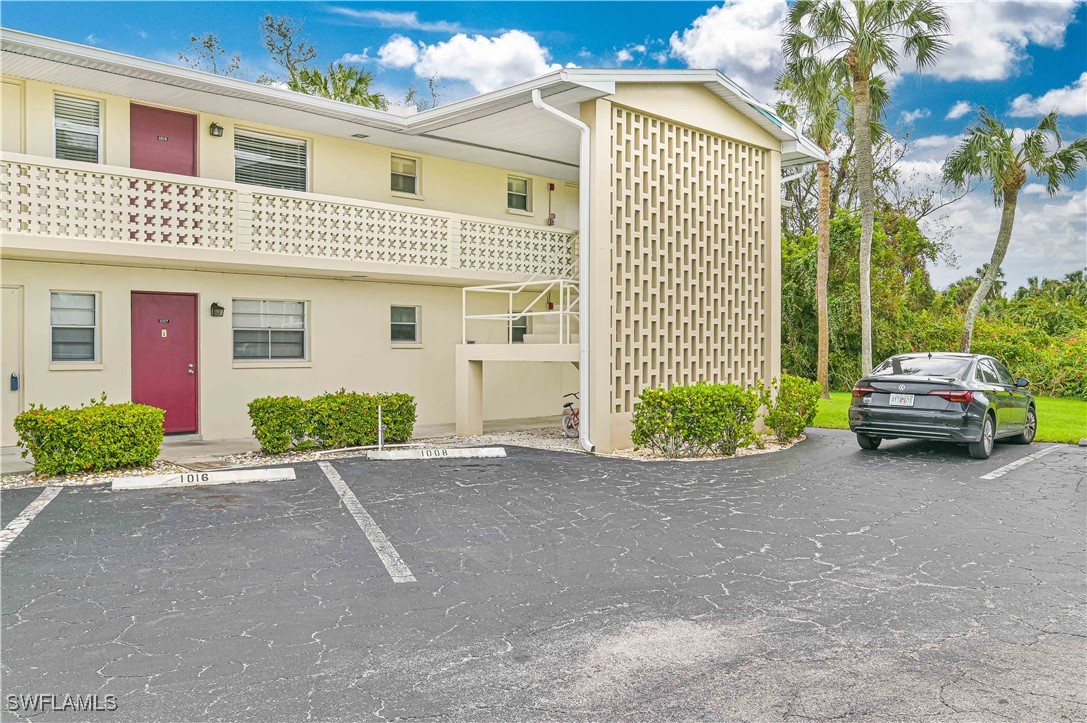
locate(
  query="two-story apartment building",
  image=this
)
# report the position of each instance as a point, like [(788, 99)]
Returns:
[(193, 241)]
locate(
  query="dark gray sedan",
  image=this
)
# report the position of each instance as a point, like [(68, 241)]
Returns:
[(965, 398)]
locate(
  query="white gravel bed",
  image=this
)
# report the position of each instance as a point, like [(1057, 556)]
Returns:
[(545, 439), (84, 479)]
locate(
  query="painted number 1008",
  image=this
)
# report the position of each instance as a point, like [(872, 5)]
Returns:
[(435, 452)]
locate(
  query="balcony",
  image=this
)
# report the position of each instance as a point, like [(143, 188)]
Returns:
[(79, 207)]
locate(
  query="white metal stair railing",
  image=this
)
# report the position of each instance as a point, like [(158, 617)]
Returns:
[(558, 324)]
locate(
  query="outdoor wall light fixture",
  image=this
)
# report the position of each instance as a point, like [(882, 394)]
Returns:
[(216, 309), (216, 131)]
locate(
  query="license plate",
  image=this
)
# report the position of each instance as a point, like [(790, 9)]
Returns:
[(901, 400)]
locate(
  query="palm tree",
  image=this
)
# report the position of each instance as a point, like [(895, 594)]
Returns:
[(818, 93), (989, 151), (856, 36), (342, 82)]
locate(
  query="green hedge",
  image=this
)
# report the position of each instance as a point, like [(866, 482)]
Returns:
[(93, 438), (794, 407), (331, 420), (689, 421)]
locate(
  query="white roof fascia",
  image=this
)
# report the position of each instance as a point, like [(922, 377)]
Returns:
[(597, 83)]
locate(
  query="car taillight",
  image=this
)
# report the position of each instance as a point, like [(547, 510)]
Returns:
[(954, 395), (859, 391)]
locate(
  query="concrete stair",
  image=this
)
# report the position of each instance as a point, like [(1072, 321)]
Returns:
[(545, 330)]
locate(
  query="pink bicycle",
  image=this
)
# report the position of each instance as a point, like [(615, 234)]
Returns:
[(571, 418)]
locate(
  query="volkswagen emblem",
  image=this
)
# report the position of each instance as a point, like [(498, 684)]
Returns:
[(901, 387)]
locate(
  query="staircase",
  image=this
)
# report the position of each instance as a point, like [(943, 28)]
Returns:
[(545, 330)]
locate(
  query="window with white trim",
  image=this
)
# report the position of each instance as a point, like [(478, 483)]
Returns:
[(404, 325), (73, 322), (77, 129), (261, 159), (405, 175), (269, 330), (519, 329), (518, 191)]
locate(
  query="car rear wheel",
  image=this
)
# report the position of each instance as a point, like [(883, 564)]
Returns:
[(867, 441), (982, 448), (1029, 429)]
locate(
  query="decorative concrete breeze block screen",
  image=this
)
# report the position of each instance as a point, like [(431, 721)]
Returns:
[(691, 269), (40, 200), (335, 230)]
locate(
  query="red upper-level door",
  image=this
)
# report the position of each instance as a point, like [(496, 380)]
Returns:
[(163, 140)]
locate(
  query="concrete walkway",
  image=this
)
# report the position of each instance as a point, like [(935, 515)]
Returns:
[(190, 450)]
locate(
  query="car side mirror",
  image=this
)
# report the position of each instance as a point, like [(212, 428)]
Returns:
[(1022, 382)]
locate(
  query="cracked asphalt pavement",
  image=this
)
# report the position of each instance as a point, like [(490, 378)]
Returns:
[(821, 582)]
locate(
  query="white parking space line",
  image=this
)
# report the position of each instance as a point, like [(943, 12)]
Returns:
[(9, 533), (1019, 463), (384, 549)]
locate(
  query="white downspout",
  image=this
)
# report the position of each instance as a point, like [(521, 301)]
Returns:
[(583, 254)]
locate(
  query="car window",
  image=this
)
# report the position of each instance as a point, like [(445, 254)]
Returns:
[(1003, 374), (920, 366), (985, 373)]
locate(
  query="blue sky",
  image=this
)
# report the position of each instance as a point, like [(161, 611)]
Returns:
[(1016, 58)]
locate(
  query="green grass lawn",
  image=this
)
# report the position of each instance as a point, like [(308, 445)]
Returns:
[(1059, 420)]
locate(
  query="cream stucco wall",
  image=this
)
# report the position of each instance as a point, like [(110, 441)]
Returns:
[(338, 167), (348, 340)]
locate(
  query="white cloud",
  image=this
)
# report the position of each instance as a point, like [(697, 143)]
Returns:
[(487, 63), (988, 40), (958, 110), (741, 38), (92, 39), (1069, 100), (400, 20), (630, 52), (399, 52), (361, 58), (912, 115)]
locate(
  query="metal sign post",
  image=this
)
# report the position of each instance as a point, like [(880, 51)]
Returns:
[(380, 429)]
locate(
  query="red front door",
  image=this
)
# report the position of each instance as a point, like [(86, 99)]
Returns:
[(162, 140), (164, 346)]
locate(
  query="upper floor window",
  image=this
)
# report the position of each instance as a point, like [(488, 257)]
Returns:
[(274, 161), (517, 194), (77, 129), (265, 329), (405, 175), (73, 322)]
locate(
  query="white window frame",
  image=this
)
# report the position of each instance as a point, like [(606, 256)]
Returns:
[(276, 137), (405, 343), (418, 176), (527, 211), (270, 360), (514, 326), (77, 363), (82, 129)]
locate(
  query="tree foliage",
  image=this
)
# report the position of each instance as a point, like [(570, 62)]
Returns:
[(340, 82), (205, 53)]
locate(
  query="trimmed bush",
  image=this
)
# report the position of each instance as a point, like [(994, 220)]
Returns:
[(331, 420), (794, 407), (93, 438), (689, 421)]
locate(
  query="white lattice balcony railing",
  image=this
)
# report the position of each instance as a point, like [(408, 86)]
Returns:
[(44, 197)]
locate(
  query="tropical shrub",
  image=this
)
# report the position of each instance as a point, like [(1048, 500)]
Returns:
[(689, 421), (331, 420), (92, 438), (793, 408)]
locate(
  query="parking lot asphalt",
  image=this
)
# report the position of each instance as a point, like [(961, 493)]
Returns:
[(820, 582)]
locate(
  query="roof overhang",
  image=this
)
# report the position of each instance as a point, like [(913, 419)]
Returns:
[(501, 128)]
